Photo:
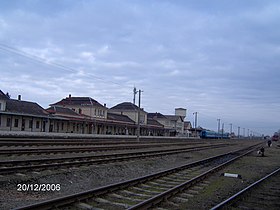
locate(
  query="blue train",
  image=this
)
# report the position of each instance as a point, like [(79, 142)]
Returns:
[(207, 134)]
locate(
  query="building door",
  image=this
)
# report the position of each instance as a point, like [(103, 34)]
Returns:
[(23, 124), (44, 126)]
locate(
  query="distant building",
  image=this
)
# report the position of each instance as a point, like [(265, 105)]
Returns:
[(174, 124), (187, 128), (84, 115), (66, 120), (18, 115), (130, 110), (181, 112), (83, 105)]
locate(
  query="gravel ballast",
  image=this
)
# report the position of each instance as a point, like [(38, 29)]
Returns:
[(84, 178)]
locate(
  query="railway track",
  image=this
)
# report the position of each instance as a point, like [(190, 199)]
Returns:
[(29, 141), (262, 194), (148, 191), (47, 163), (48, 150), (63, 142)]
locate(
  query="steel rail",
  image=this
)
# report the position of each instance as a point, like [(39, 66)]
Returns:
[(173, 191), (101, 159), (78, 149), (245, 190), (71, 142), (67, 200)]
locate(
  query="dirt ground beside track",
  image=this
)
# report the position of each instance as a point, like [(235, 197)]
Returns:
[(251, 168)]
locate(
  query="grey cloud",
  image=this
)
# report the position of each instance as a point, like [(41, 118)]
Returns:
[(210, 57)]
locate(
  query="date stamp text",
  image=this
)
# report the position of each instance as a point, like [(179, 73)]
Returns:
[(38, 187)]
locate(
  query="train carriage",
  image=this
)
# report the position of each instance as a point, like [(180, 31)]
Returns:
[(207, 134)]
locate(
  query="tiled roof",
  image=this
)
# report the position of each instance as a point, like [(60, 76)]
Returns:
[(187, 123), (172, 117), (125, 106), (3, 96), (25, 107), (82, 101), (155, 115), (119, 117), (153, 122), (61, 111)]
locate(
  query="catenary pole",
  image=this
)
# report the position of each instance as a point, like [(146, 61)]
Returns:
[(138, 120)]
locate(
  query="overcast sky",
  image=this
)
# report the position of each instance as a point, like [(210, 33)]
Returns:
[(218, 58)]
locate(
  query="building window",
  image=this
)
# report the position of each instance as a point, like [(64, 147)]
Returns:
[(62, 126), (8, 122), (0, 119), (30, 123), (0, 106), (16, 123), (37, 124)]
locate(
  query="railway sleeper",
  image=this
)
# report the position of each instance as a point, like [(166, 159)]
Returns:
[(146, 190), (161, 185), (159, 189), (186, 195), (124, 200), (171, 204), (85, 206), (105, 202), (173, 179), (115, 195), (130, 193), (167, 180)]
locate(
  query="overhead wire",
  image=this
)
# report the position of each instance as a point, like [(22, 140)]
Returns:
[(40, 60)]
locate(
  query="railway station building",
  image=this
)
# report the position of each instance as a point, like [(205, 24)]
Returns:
[(148, 126), (173, 124), (84, 115), (18, 115)]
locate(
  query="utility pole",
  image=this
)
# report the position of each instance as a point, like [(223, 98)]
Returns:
[(134, 94), (219, 121), (238, 131), (222, 130), (138, 120), (195, 122)]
